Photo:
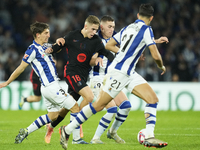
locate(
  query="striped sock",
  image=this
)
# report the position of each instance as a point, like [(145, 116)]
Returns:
[(121, 116), (105, 121), (81, 117), (76, 132), (150, 113), (38, 123)]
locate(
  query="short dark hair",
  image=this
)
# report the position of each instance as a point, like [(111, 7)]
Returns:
[(38, 27), (92, 19), (106, 18), (146, 10)]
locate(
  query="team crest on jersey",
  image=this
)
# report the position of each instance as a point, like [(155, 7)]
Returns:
[(82, 46), (81, 57), (25, 56), (79, 83)]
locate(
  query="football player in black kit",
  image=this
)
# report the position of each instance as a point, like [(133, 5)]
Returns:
[(81, 45)]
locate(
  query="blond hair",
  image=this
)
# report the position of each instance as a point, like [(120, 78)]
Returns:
[(91, 19)]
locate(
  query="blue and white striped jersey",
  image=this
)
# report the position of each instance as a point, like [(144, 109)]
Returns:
[(41, 62), (98, 70), (133, 39)]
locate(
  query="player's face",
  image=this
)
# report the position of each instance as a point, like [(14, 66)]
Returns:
[(91, 30), (107, 29), (44, 36)]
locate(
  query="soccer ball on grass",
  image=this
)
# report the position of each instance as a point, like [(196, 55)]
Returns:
[(141, 136)]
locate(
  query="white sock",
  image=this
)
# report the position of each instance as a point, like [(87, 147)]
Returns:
[(38, 123), (81, 117), (76, 132), (121, 116), (105, 121), (150, 120)]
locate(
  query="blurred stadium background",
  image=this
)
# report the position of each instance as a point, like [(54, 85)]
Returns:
[(179, 20)]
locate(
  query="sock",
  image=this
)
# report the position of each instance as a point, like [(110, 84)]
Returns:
[(81, 117), (56, 122), (25, 99), (121, 116), (76, 132), (150, 120), (38, 123), (105, 121)]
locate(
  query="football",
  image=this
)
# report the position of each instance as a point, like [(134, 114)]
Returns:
[(141, 136)]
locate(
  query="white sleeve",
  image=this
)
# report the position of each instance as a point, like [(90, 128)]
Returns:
[(117, 37), (29, 56), (149, 37)]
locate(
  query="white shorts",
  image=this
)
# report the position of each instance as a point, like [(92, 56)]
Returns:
[(116, 81), (96, 83), (56, 98)]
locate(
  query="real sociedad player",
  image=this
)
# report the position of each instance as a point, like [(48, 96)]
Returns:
[(54, 96)]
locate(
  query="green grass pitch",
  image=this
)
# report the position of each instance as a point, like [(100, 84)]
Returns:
[(180, 129)]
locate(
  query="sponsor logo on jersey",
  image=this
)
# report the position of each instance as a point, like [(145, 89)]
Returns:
[(25, 56), (75, 40), (43, 55), (81, 57)]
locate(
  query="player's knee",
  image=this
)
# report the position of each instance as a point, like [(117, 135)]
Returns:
[(90, 98), (125, 105), (53, 115), (153, 100)]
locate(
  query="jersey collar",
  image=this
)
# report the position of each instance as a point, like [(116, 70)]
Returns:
[(138, 20), (36, 43)]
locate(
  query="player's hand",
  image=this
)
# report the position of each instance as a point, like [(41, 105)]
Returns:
[(142, 57), (49, 50), (4, 84), (162, 39), (60, 41), (100, 61), (163, 69)]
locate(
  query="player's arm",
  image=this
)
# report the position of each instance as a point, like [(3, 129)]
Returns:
[(157, 57), (162, 39), (111, 46), (15, 74), (95, 60)]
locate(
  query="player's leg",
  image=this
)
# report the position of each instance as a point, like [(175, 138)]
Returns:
[(77, 90), (87, 95), (124, 108), (62, 113), (145, 92), (111, 87), (84, 114), (104, 122)]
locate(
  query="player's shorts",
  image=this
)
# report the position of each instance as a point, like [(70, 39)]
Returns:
[(75, 84), (116, 81), (36, 83), (56, 98), (96, 83)]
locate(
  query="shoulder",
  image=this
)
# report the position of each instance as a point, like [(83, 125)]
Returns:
[(97, 38), (72, 34)]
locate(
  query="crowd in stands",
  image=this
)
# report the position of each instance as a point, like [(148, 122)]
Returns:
[(179, 20)]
